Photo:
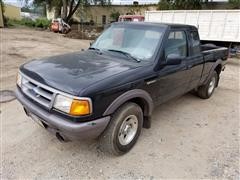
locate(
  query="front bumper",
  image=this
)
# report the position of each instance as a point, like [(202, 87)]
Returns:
[(62, 126)]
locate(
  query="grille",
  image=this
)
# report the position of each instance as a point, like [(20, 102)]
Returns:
[(38, 92)]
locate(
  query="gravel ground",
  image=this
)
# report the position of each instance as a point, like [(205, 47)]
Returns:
[(190, 137)]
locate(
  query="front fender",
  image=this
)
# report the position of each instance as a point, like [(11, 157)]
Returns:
[(135, 93)]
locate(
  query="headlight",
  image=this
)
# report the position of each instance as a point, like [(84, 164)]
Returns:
[(77, 107), (19, 79)]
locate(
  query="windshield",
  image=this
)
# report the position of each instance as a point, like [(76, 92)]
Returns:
[(138, 41)]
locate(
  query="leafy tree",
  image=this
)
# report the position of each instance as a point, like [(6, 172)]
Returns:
[(26, 9), (72, 9), (188, 4), (69, 7), (180, 4), (3, 9), (114, 15), (44, 5), (72, 5), (101, 2), (165, 4), (235, 4), (2, 5)]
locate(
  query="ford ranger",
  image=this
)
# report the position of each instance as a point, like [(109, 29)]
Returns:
[(109, 91)]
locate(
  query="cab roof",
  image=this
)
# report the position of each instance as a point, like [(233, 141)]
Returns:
[(165, 25)]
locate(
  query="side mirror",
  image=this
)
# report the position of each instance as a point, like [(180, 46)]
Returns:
[(91, 42), (173, 59)]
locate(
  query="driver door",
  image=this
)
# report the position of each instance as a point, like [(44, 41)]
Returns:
[(174, 79)]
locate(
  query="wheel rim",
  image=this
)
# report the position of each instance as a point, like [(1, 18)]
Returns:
[(128, 130), (211, 85)]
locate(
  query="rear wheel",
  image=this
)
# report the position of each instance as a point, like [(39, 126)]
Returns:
[(206, 91), (123, 130)]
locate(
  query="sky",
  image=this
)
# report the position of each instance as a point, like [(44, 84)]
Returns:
[(20, 3), (14, 2)]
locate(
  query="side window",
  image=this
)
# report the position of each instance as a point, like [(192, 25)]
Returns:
[(176, 44), (195, 42)]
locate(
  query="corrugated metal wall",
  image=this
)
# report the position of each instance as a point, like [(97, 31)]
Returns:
[(213, 25)]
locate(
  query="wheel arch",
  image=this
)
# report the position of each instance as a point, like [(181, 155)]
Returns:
[(138, 96), (216, 67)]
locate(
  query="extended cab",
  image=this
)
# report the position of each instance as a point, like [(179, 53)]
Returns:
[(109, 91)]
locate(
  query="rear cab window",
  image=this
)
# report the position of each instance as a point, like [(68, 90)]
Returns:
[(195, 41)]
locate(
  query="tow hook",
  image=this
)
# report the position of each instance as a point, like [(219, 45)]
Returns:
[(26, 111), (59, 137)]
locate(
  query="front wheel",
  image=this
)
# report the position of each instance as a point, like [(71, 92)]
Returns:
[(123, 130), (207, 90)]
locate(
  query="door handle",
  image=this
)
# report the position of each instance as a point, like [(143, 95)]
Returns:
[(151, 80)]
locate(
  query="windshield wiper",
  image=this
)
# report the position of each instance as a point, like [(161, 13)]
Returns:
[(93, 48), (98, 51), (126, 54)]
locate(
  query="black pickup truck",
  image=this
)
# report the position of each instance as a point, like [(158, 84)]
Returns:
[(109, 91)]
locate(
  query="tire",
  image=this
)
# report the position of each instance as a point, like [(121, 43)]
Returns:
[(206, 91), (123, 130)]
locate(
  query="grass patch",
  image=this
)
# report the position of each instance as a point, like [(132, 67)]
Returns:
[(39, 23)]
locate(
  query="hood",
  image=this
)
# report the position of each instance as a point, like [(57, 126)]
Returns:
[(74, 72)]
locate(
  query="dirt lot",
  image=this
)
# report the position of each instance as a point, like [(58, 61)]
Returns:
[(189, 138)]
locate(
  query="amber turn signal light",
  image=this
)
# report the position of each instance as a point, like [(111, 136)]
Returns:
[(80, 107)]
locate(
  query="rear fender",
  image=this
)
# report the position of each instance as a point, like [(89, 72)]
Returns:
[(218, 62)]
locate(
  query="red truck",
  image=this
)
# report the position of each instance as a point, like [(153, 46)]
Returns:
[(135, 18)]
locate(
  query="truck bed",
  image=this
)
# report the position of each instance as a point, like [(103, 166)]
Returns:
[(211, 51)]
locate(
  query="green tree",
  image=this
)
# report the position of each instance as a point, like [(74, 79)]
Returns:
[(2, 5), (3, 9), (234, 4), (188, 4), (102, 2), (165, 4), (180, 4), (69, 7), (115, 15), (26, 9), (72, 5)]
